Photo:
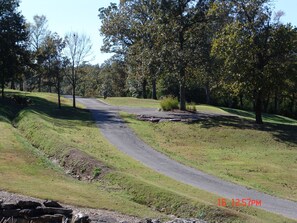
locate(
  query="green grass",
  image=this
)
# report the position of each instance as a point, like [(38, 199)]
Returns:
[(132, 102), (129, 188), (249, 115), (263, 158)]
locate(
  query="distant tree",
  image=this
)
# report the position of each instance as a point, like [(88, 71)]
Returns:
[(78, 50), (13, 39)]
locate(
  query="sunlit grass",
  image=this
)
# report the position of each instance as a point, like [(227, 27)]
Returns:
[(129, 188), (239, 151)]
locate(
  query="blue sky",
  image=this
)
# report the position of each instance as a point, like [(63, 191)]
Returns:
[(82, 16)]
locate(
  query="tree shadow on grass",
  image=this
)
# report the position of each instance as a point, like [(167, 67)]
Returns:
[(10, 109), (281, 132)]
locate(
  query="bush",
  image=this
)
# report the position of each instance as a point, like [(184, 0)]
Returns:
[(169, 103), (191, 107)]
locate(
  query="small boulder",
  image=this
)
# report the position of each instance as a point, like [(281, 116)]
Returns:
[(52, 204)]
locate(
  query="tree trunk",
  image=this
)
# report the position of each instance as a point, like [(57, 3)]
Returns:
[(258, 108), (12, 86), (21, 85), (2, 85), (207, 94), (293, 103), (154, 93), (266, 103), (58, 90), (39, 83), (276, 104), (73, 96), (144, 83), (241, 100), (73, 85)]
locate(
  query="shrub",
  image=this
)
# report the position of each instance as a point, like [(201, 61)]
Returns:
[(191, 107), (169, 103)]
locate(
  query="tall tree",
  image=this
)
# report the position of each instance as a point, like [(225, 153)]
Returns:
[(254, 48), (13, 39), (54, 62), (78, 50), (130, 30), (38, 35), (178, 21)]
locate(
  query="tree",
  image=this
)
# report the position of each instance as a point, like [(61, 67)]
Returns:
[(254, 49), (130, 30), (54, 62), (13, 39), (180, 25), (78, 50), (38, 34)]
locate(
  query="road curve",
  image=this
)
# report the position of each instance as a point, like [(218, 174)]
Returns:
[(117, 132)]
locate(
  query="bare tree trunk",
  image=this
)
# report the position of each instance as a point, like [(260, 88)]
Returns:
[(258, 107), (59, 95), (207, 94), (266, 103), (73, 96), (21, 85), (241, 100), (154, 92), (144, 83), (276, 101), (39, 83), (12, 84), (2, 85)]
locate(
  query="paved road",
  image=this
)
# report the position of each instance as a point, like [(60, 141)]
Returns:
[(117, 132)]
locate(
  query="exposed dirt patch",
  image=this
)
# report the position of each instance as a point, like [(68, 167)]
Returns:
[(82, 166)]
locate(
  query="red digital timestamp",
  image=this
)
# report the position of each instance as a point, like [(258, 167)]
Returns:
[(236, 202)]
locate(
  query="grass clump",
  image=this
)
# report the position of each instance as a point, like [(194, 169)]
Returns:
[(191, 107), (169, 103)]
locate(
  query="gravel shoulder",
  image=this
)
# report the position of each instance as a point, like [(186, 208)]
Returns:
[(117, 132)]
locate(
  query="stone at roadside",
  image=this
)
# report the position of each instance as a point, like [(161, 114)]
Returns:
[(52, 204)]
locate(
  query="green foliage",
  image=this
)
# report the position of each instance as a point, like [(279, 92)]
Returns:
[(191, 107), (169, 103), (96, 172)]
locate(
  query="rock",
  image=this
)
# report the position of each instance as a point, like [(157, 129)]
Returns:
[(63, 211), (52, 204), (81, 218), (49, 219), (9, 206), (31, 212), (9, 213), (28, 204)]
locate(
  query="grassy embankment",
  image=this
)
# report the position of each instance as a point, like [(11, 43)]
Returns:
[(235, 149), (129, 188)]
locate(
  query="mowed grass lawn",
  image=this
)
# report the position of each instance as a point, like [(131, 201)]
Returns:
[(263, 158), (150, 103)]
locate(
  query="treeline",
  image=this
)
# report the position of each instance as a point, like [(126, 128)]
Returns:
[(33, 58), (229, 53)]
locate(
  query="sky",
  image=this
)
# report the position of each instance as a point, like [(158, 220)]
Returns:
[(82, 16)]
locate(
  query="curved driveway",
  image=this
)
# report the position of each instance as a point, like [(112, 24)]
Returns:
[(117, 132)]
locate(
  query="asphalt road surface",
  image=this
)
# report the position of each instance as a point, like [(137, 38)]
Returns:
[(118, 133)]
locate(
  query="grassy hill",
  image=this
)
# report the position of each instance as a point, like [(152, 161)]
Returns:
[(36, 145)]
